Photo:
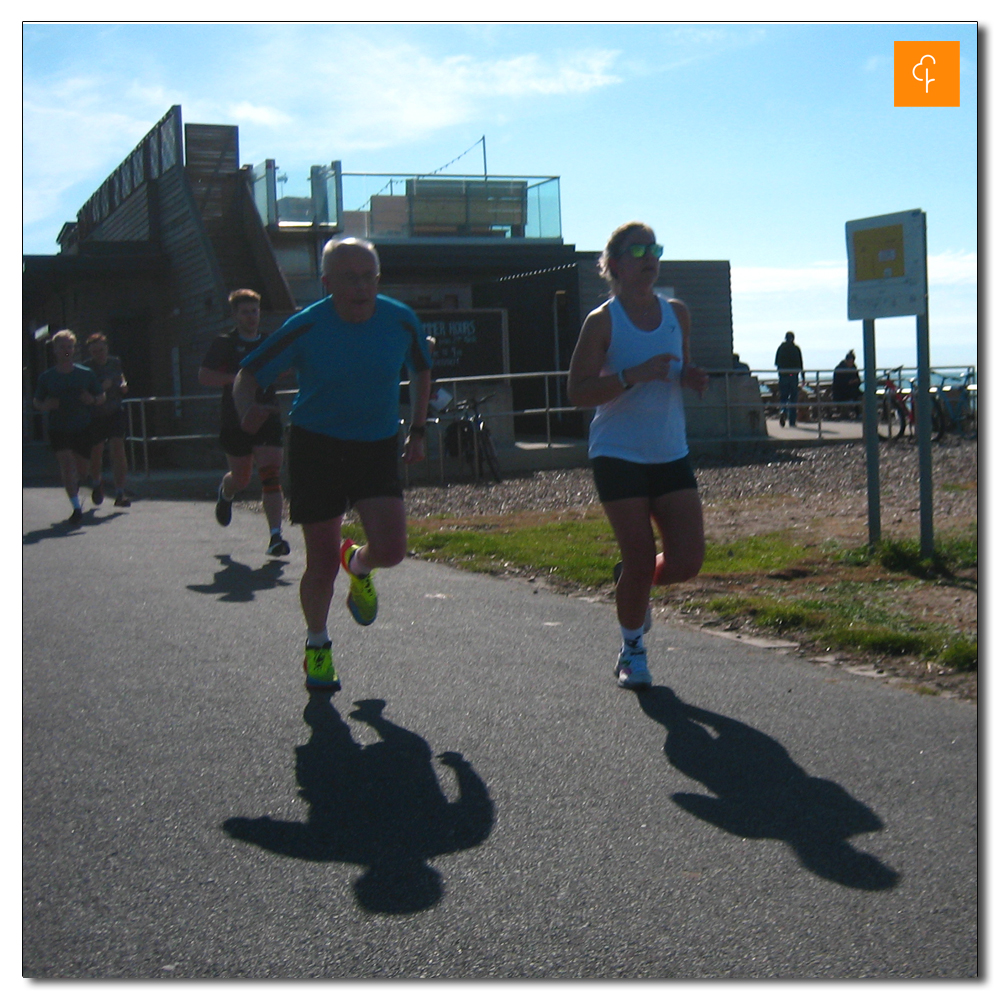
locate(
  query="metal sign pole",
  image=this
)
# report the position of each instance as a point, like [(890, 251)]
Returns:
[(924, 438), (871, 436)]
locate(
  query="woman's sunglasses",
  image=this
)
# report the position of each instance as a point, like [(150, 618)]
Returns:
[(639, 250)]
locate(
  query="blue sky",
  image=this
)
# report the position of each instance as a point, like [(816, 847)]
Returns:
[(752, 143)]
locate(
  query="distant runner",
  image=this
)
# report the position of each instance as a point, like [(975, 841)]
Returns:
[(243, 449), (347, 350), (631, 360), (108, 422), (68, 392)]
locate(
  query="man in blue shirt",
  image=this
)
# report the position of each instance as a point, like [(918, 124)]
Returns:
[(347, 351)]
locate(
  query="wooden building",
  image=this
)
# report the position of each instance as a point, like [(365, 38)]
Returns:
[(154, 252)]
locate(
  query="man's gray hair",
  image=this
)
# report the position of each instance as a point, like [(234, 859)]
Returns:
[(332, 246)]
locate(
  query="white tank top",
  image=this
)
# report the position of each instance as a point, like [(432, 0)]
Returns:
[(645, 423)]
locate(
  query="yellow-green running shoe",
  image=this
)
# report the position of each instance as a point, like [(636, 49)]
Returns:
[(321, 675), (362, 601)]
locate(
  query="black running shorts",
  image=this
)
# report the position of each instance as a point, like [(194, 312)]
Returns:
[(105, 426), (617, 479), (327, 475), (78, 442), (236, 442)]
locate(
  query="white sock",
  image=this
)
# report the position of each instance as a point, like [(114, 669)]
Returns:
[(632, 637), (75, 501), (276, 531), (355, 565), (317, 639)]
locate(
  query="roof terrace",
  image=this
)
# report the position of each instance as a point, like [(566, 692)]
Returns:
[(388, 207)]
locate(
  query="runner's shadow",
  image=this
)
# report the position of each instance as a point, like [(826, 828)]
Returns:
[(60, 529), (379, 806), (238, 582), (758, 791)]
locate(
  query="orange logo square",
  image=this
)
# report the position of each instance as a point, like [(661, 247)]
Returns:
[(925, 74)]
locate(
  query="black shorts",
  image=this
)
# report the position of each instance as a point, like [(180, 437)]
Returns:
[(105, 426), (236, 442), (617, 479), (79, 442), (327, 475)]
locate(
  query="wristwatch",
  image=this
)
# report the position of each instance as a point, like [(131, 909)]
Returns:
[(621, 378)]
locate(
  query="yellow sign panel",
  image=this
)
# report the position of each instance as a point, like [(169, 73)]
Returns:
[(878, 253)]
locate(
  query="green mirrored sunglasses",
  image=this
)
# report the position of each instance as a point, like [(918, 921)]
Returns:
[(639, 250)]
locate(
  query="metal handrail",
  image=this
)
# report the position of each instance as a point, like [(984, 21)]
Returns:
[(817, 380)]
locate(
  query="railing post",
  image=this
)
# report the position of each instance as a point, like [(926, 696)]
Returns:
[(145, 438), (819, 410), (548, 415)]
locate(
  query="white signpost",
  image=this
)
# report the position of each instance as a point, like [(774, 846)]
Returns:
[(887, 276)]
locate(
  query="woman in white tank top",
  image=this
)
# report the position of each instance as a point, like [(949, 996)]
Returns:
[(631, 361)]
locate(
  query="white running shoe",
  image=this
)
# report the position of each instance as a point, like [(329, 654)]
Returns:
[(631, 669)]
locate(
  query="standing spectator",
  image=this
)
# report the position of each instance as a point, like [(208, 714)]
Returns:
[(108, 420), (243, 449), (788, 361), (630, 362), (68, 392)]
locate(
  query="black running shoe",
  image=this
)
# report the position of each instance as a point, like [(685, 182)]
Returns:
[(223, 509), (76, 517), (97, 495), (278, 546), (122, 501)]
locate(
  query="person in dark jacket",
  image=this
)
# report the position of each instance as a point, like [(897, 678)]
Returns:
[(788, 361)]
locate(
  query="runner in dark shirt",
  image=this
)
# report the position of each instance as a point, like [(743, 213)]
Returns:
[(264, 446)]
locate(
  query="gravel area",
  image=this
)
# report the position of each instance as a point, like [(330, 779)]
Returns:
[(827, 481)]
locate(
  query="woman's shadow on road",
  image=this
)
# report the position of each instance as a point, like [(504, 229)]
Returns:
[(758, 792), (379, 806)]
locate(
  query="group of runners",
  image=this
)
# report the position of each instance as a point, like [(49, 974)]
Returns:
[(347, 349), (84, 404)]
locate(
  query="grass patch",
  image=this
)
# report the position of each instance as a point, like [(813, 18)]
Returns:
[(756, 554), (579, 550), (864, 626), (951, 553), (852, 612)]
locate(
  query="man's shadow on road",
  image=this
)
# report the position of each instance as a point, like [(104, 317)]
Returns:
[(61, 529), (238, 582), (379, 806), (758, 792)]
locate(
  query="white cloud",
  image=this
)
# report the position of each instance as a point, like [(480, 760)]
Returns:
[(260, 115)]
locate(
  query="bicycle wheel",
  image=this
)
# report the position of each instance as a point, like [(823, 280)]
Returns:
[(489, 452), (890, 417), (939, 421)]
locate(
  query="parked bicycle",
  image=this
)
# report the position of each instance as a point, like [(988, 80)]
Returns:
[(895, 405), (954, 409), (468, 437)]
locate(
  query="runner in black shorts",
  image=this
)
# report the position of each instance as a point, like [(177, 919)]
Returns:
[(347, 350), (243, 449), (68, 392), (109, 420), (631, 363)]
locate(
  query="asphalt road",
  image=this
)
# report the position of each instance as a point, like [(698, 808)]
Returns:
[(480, 800)]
